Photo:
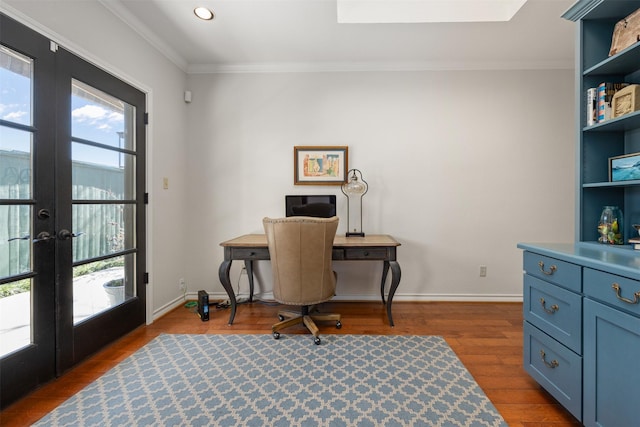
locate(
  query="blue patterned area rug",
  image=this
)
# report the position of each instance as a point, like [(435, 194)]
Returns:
[(254, 380)]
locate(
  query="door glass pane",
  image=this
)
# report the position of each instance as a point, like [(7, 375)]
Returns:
[(16, 108), (15, 316), (15, 163), (16, 73), (15, 240), (100, 174), (100, 285), (99, 117), (106, 229), (103, 170)]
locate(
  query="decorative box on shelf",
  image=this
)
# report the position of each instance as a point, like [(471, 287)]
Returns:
[(625, 33), (625, 101)]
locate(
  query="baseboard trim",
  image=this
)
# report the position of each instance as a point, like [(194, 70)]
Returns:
[(161, 311), (397, 297), (435, 297)]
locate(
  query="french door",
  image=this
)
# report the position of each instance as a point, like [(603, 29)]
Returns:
[(72, 230)]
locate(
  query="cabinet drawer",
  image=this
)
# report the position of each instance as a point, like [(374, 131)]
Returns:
[(554, 367), (553, 270), (337, 254), (620, 292), (554, 310), (249, 253), (366, 253)]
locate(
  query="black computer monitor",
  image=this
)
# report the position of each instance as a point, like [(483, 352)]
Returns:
[(323, 206)]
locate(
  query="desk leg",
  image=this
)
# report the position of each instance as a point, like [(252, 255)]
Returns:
[(395, 281), (385, 270), (223, 274), (248, 264)]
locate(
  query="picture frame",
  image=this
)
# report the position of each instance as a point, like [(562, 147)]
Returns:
[(624, 168), (320, 165)]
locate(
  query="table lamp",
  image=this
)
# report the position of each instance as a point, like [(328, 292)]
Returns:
[(354, 189)]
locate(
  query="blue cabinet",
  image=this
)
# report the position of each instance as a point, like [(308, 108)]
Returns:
[(582, 329), (611, 374)]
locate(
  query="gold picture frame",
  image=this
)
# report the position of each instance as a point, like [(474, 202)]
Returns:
[(320, 165)]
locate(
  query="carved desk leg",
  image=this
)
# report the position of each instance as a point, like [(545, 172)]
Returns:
[(395, 281), (248, 264), (223, 274), (385, 270)]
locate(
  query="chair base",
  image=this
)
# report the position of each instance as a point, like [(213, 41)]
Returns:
[(292, 318)]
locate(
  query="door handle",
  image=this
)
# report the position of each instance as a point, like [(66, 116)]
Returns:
[(66, 234), (43, 236), (26, 237)]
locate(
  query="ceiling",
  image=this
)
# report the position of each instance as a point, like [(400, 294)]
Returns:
[(303, 35)]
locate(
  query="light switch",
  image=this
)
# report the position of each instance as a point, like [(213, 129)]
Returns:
[(165, 183)]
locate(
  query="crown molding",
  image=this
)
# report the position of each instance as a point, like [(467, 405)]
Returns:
[(600, 9), (580, 9), (121, 12), (328, 67)]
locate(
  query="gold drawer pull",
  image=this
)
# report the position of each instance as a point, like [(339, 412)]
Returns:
[(636, 296), (553, 309), (552, 269), (554, 363)]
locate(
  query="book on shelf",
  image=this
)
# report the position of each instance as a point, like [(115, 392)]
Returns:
[(592, 106), (605, 96), (635, 242)]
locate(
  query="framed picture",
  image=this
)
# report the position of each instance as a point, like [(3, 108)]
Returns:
[(320, 165), (624, 168)]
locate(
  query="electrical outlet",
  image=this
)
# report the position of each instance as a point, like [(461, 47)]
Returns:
[(483, 271), (182, 285)]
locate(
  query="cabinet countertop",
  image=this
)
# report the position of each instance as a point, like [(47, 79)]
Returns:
[(623, 261)]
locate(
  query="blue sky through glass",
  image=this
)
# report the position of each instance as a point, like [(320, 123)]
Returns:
[(91, 120), (15, 92)]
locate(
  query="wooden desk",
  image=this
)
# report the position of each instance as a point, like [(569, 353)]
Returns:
[(253, 247)]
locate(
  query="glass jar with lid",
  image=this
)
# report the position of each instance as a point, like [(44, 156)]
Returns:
[(610, 226)]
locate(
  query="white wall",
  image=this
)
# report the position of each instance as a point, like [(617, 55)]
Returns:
[(461, 167), (92, 32)]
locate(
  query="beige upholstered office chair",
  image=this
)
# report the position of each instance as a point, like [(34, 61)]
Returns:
[(300, 251)]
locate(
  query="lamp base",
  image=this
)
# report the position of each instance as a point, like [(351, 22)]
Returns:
[(355, 234)]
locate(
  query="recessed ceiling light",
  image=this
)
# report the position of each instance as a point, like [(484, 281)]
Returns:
[(203, 13)]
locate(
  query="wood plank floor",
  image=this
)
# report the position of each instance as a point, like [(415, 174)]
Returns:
[(487, 337)]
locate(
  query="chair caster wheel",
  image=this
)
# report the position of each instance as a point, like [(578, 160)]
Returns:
[(338, 324), (276, 335), (317, 341)]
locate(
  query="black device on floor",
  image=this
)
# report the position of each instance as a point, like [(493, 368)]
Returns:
[(203, 305)]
